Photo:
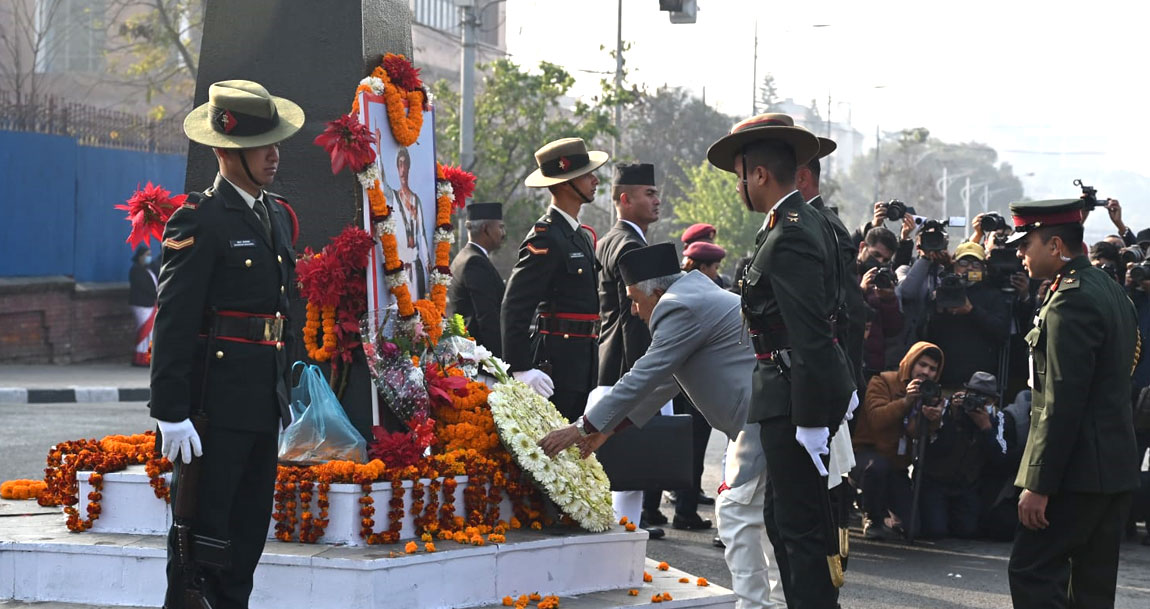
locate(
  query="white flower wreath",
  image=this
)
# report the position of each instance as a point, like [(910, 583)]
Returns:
[(579, 487)]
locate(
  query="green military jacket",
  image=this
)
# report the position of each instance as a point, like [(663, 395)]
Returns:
[(792, 288), (1082, 350)]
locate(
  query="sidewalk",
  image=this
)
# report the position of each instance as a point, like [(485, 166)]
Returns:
[(95, 382)]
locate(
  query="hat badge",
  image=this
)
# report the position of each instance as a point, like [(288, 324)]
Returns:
[(564, 163), (227, 121)]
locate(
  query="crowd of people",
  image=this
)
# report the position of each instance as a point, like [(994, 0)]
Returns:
[(918, 351)]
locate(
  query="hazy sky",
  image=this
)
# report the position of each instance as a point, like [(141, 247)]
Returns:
[(1042, 82)]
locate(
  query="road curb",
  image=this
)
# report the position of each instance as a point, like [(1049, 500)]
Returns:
[(87, 395)]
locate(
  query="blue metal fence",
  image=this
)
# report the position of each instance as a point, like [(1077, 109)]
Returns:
[(56, 205)]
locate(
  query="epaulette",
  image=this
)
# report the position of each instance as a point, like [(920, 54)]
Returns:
[(543, 224), (193, 199)]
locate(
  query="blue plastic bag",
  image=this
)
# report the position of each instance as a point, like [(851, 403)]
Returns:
[(320, 430)]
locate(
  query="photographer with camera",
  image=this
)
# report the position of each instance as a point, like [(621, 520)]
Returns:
[(969, 319), (892, 211), (964, 441), (1109, 257), (878, 287), (881, 446), (987, 226), (918, 281)]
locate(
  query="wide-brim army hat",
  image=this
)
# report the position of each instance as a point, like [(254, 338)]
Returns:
[(242, 114), (564, 160), (826, 147), (773, 126), (1031, 215)]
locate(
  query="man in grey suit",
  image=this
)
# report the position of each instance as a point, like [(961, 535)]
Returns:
[(695, 331)]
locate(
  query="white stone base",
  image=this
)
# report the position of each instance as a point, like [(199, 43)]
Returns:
[(41, 561), (129, 505)]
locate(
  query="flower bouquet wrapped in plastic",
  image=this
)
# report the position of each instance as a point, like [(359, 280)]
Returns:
[(399, 381)]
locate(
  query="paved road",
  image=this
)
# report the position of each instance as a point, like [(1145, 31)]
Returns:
[(947, 574)]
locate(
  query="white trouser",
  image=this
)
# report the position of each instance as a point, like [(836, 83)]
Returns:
[(749, 555)]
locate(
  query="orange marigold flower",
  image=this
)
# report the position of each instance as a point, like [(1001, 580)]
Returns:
[(663, 566), (702, 581), (508, 601), (656, 598), (536, 525), (430, 547), (647, 577), (534, 596), (624, 520), (411, 547), (667, 596), (633, 592), (630, 526), (683, 580)]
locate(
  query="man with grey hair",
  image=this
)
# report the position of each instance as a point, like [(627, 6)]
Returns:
[(696, 328), (476, 290)]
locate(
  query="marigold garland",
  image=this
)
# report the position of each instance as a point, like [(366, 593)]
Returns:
[(20, 490), (318, 317)]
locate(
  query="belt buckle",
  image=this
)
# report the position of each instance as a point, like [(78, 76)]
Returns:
[(273, 329)]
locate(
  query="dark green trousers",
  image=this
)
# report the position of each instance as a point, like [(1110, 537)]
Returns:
[(1074, 561)]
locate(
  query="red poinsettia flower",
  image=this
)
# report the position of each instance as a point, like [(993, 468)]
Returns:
[(462, 184), (148, 211), (401, 73), (348, 141)]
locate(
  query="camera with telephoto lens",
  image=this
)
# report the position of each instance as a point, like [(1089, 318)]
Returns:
[(895, 210), (1089, 196), (951, 292), (1133, 253), (930, 392), (1140, 272), (885, 278), (991, 222)]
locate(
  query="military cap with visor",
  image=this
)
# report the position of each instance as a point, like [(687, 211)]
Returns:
[(648, 262), (763, 127), (1032, 215), (242, 114), (563, 160)]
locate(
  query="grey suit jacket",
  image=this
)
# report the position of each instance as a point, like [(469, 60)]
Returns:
[(697, 340)]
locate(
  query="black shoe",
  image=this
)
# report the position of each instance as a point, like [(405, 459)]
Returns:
[(654, 532), (718, 543), (653, 518), (705, 500), (691, 523)]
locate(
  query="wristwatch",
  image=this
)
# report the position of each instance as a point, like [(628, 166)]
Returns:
[(580, 424)]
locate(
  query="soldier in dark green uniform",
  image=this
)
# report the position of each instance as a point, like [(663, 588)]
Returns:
[(225, 283), (554, 283), (802, 383), (1079, 466)]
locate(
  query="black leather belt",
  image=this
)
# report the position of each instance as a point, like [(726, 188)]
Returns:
[(766, 343), (568, 328), (247, 327)]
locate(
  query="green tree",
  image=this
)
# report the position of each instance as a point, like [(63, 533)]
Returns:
[(910, 168), (517, 111), (154, 45), (647, 139), (768, 94), (710, 197)]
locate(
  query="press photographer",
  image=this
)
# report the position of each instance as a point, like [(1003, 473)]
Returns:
[(892, 211), (918, 282), (1090, 201), (965, 440), (970, 319), (881, 446), (1109, 257), (881, 345)]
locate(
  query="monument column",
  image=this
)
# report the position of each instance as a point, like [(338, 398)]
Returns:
[(313, 53)]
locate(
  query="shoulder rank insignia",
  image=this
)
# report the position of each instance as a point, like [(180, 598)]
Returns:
[(1069, 283), (792, 216), (179, 244), (540, 227), (538, 251)]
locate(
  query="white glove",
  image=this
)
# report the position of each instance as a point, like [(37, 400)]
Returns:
[(854, 404), (537, 380), (814, 440), (180, 439)]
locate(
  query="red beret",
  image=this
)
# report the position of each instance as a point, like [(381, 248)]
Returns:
[(701, 251), (698, 231)]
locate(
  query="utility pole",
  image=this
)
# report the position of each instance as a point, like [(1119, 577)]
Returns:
[(618, 88), (877, 145), (755, 73), (469, 24)]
